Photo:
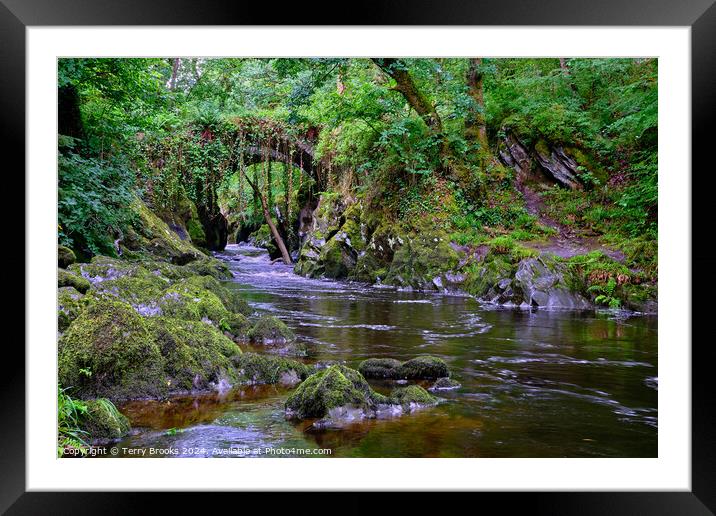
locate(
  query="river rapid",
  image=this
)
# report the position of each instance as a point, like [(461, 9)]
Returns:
[(534, 383)]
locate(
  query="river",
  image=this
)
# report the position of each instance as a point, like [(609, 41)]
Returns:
[(534, 383)]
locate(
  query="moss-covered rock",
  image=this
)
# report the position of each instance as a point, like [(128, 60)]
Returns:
[(187, 299), (380, 368), (142, 293), (444, 384), (262, 238), (210, 267), (411, 397), (70, 279), (103, 421), (108, 351), (423, 368), (262, 369), (422, 257), (103, 268), (65, 256), (230, 298), (196, 355), (237, 326), (328, 389), (270, 330), (151, 236), (419, 368), (70, 303)]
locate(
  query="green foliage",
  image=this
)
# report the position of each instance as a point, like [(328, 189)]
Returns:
[(69, 413), (93, 203)]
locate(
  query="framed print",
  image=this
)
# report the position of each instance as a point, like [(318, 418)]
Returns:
[(455, 255)]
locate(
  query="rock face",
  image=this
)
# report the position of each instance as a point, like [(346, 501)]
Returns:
[(542, 283), (347, 241), (555, 163)]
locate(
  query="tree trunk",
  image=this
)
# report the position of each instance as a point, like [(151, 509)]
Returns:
[(415, 99), (175, 71), (476, 126), (272, 227)]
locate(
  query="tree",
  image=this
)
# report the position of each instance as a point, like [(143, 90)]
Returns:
[(416, 99), (475, 125)]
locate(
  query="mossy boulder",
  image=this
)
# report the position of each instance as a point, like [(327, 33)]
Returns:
[(329, 389), (142, 293), (230, 297), (270, 330), (261, 369), (444, 384), (419, 368), (423, 368), (103, 421), (70, 303), (70, 279), (196, 355), (108, 351), (237, 326), (65, 256), (411, 397), (187, 299), (380, 368), (210, 267)]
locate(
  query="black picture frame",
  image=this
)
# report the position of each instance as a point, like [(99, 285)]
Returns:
[(700, 15)]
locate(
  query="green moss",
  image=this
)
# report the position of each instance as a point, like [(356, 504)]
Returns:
[(70, 279), (195, 353), (151, 236), (143, 293), (482, 276), (111, 341), (188, 299), (194, 226), (336, 386), (379, 368), (411, 395), (426, 367), (103, 421), (230, 298), (269, 329), (422, 256), (70, 303), (262, 369), (210, 267), (103, 268), (237, 325), (262, 238), (65, 256)]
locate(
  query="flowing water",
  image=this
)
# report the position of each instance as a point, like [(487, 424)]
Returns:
[(534, 383)]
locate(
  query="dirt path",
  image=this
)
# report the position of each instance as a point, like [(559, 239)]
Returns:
[(568, 241)]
